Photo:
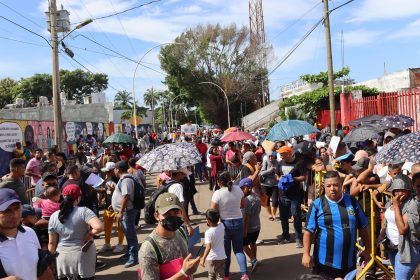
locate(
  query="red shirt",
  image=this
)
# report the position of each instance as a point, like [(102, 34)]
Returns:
[(126, 154)]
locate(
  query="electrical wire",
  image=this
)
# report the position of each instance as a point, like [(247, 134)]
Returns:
[(293, 23), (127, 10), (23, 42), (10, 8), (27, 29)]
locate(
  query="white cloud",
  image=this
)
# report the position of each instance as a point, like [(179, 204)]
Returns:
[(375, 10), (410, 30), (189, 10)]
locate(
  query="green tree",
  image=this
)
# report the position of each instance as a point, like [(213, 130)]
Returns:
[(30, 89), (217, 54), (123, 100), (6, 93), (151, 97), (127, 114)]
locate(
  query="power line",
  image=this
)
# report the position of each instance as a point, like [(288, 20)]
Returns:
[(23, 42), (33, 32), (121, 55), (127, 10), (10, 8), (294, 22)]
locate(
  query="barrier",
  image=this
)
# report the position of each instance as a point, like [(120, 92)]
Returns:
[(375, 259)]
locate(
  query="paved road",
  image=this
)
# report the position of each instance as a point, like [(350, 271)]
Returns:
[(278, 261)]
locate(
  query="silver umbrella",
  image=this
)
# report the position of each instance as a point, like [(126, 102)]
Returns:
[(363, 133), (170, 157)]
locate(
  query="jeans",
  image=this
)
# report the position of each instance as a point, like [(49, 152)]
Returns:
[(404, 271), (289, 206), (234, 235), (199, 168), (129, 229)]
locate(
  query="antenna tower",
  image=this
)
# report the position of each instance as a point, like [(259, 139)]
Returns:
[(257, 42)]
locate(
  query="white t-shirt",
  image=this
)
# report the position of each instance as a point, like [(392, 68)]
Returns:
[(215, 236), (19, 255), (178, 190), (229, 202), (391, 227)]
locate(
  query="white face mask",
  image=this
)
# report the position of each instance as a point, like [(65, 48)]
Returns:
[(108, 192)]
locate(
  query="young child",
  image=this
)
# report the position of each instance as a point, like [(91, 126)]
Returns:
[(215, 249), (252, 224), (49, 205)]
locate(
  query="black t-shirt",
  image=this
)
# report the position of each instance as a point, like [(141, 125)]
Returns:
[(297, 169)]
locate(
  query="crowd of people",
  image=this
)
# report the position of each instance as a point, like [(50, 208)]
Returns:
[(50, 216)]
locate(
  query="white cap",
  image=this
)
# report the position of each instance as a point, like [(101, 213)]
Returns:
[(407, 166), (108, 166), (184, 170)]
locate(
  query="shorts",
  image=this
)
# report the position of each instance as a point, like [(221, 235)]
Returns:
[(273, 193), (330, 273), (251, 238)]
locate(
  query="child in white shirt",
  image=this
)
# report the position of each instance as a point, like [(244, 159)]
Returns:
[(215, 249)]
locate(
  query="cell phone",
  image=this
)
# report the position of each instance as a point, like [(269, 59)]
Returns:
[(199, 251), (87, 244)]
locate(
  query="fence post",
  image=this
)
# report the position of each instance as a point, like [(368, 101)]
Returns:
[(379, 104)]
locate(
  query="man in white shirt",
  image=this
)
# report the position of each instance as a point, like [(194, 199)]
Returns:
[(17, 242), (178, 189)]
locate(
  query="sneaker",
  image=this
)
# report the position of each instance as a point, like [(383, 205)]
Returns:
[(131, 263), (299, 244), (100, 265), (245, 277), (284, 240), (105, 248), (259, 241), (254, 265), (118, 249)]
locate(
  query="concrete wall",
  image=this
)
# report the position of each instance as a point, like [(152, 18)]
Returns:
[(408, 78), (99, 113), (261, 116)]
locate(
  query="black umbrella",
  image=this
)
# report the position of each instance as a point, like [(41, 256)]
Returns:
[(403, 148), (367, 120), (305, 148), (363, 133), (397, 121)]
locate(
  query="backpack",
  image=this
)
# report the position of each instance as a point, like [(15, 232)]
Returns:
[(138, 201), (149, 209)]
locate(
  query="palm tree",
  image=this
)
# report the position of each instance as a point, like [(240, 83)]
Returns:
[(123, 100), (151, 97)]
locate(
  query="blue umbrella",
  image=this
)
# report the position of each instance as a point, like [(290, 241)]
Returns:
[(288, 129)]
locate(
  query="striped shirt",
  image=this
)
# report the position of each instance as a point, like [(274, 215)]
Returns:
[(334, 225)]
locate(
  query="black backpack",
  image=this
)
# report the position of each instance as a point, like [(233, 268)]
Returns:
[(138, 201), (149, 209)]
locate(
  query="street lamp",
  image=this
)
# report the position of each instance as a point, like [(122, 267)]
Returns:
[(134, 78), (227, 100)]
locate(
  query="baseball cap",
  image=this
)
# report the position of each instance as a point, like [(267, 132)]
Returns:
[(245, 182), (47, 176), (360, 154), (346, 157), (362, 163), (108, 166), (122, 164), (184, 170), (389, 134), (285, 149), (72, 191), (7, 198), (166, 202), (28, 210), (401, 182)]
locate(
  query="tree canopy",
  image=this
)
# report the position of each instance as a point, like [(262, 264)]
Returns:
[(76, 84), (6, 93), (216, 54)]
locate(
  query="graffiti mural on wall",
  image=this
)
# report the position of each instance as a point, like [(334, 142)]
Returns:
[(41, 135)]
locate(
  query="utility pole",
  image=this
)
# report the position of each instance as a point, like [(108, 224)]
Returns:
[(153, 110), (58, 124), (330, 67)]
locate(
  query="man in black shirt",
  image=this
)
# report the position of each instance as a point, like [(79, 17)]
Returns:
[(291, 195)]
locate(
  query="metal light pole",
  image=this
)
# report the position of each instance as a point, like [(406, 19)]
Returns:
[(227, 100), (134, 78), (170, 108)]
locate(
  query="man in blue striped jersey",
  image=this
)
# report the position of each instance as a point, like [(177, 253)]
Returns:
[(333, 219)]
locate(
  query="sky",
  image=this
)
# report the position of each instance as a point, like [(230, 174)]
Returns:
[(376, 33)]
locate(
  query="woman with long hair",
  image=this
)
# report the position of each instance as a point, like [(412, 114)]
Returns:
[(233, 160), (216, 166), (71, 231), (229, 200)]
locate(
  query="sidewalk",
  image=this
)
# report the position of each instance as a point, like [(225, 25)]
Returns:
[(277, 261)]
